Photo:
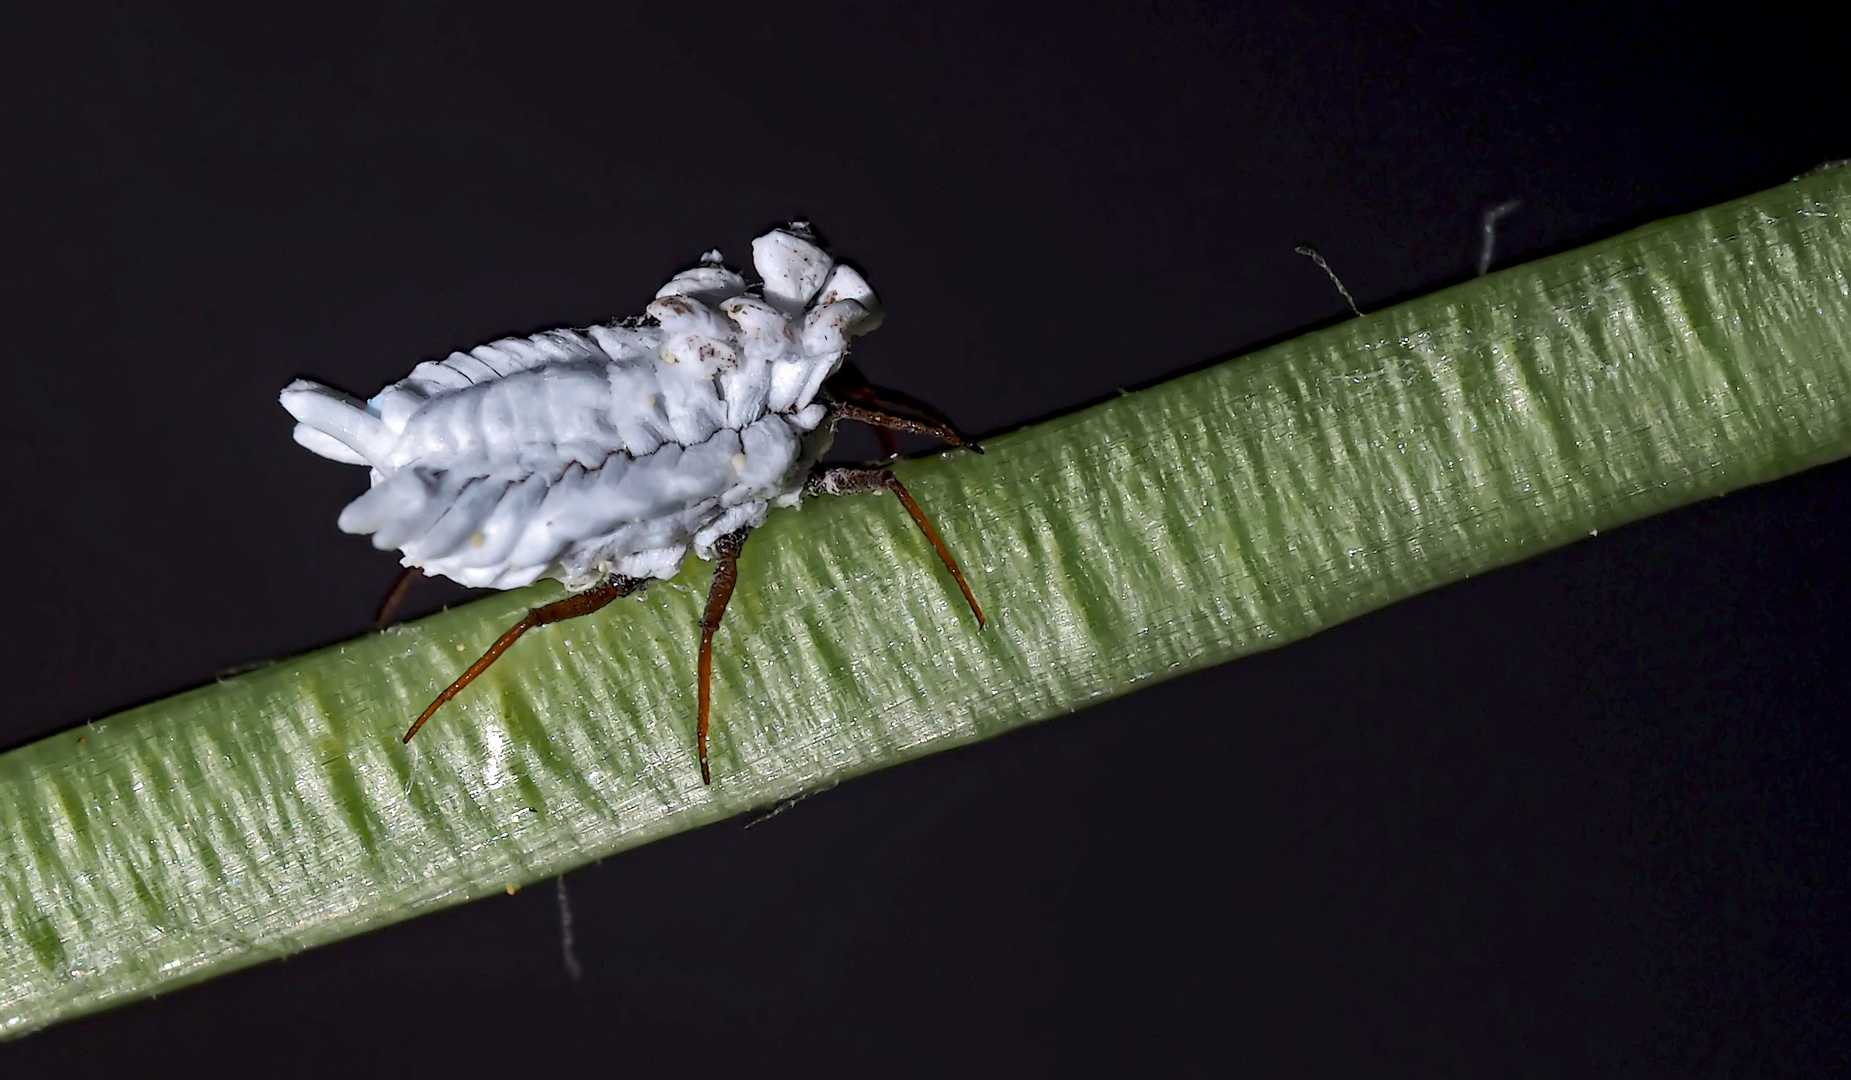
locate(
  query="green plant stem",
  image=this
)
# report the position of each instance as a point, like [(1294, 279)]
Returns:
[(1231, 510)]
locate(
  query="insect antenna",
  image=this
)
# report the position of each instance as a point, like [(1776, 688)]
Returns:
[(570, 607)]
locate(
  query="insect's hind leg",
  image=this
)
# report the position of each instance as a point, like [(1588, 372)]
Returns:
[(725, 576), (571, 607), (828, 480)]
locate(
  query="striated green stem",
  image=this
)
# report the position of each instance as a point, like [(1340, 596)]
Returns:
[(1227, 511)]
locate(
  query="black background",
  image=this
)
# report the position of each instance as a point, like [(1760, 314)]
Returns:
[(1578, 817)]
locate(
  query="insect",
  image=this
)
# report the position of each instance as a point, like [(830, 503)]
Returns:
[(602, 457)]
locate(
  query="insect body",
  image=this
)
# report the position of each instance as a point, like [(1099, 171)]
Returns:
[(602, 456)]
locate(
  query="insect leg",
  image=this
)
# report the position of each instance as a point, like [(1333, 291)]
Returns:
[(725, 575), (558, 611), (840, 481), (400, 586), (882, 420), (849, 384)]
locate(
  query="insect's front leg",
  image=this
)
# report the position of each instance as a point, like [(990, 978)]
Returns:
[(834, 480), (882, 420), (853, 397)]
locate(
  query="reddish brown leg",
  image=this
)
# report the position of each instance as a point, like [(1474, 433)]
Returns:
[(725, 575), (400, 586), (881, 420), (860, 400), (558, 611), (834, 481), (858, 389)]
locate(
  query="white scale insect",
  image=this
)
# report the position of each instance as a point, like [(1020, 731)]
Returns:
[(601, 456)]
